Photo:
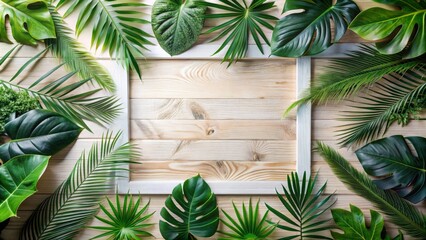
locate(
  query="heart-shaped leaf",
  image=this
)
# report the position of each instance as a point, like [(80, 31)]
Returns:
[(38, 132), (196, 208), (398, 167), (401, 28), (354, 227), (30, 21), (18, 180), (310, 32), (177, 24)]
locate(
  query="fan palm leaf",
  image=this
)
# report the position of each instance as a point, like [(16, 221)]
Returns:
[(115, 27), (76, 200), (75, 57), (63, 97), (399, 211)]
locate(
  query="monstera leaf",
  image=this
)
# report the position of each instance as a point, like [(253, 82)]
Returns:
[(18, 180), (353, 225), (310, 32), (38, 132), (30, 21), (402, 28), (177, 24), (398, 167), (195, 206)]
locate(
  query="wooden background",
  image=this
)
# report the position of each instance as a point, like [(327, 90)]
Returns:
[(198, 114)]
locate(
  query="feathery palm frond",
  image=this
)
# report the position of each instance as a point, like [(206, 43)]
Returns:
[(304, 206), (73, 54), (60, 97), (114, 27), (125, 221), (245, 20), (8, 53), (399, 211), (76, 200), (397, 98), (249, 226), (345, 77)]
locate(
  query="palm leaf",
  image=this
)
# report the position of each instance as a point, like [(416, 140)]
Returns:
[(114, 27), (61, 97), (399, 211), (75, 56), (398, 98), (75, 202), (344, 78), (245, 21), (304, 207)]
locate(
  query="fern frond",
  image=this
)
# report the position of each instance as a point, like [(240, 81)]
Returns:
[(114, 27), (76, 200), (75, 56), (397, 98), (399, 211)]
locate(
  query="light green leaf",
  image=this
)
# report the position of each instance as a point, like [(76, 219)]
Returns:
[(18, 180), (399, 29), (177, 24), (30, 21)]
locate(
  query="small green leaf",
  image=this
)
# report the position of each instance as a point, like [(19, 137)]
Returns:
[(30, 21), (18, 180), (177, 24)]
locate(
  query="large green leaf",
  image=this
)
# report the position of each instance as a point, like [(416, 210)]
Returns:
[(18, 180), (38, 132), (401, 28), (310, 32), (177, 24), (397, 166), (195, 206), (354, 227), (30, 21)]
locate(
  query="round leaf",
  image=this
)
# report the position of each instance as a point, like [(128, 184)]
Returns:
[(177, 24), (310, 32)]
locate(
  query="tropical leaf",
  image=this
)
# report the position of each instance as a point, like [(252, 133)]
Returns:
[(248, 225), (354, 227), (8, 54), (124, 221), (18, 181), (30, 21), (310, 32), (61, 97), (38, 132), (397, 98), (76, 201), (304, 207), (402, 29), (245, 20), (399, 211), (397, 166), (195, 206), (75, 56), (177, 24), (116, 27)]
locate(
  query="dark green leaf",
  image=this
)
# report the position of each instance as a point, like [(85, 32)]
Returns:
[(195, 206), (177, 24), (310, 32), (38, 132)]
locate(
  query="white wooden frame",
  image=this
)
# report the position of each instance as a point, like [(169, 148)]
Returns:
[(303, 119)]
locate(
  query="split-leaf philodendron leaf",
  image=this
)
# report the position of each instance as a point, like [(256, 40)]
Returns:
[(177, 24), (310, 32), (401, 28), (38, 132), (196, 208), (18, 180), (354, 227), (30, 21), (397, 166)]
